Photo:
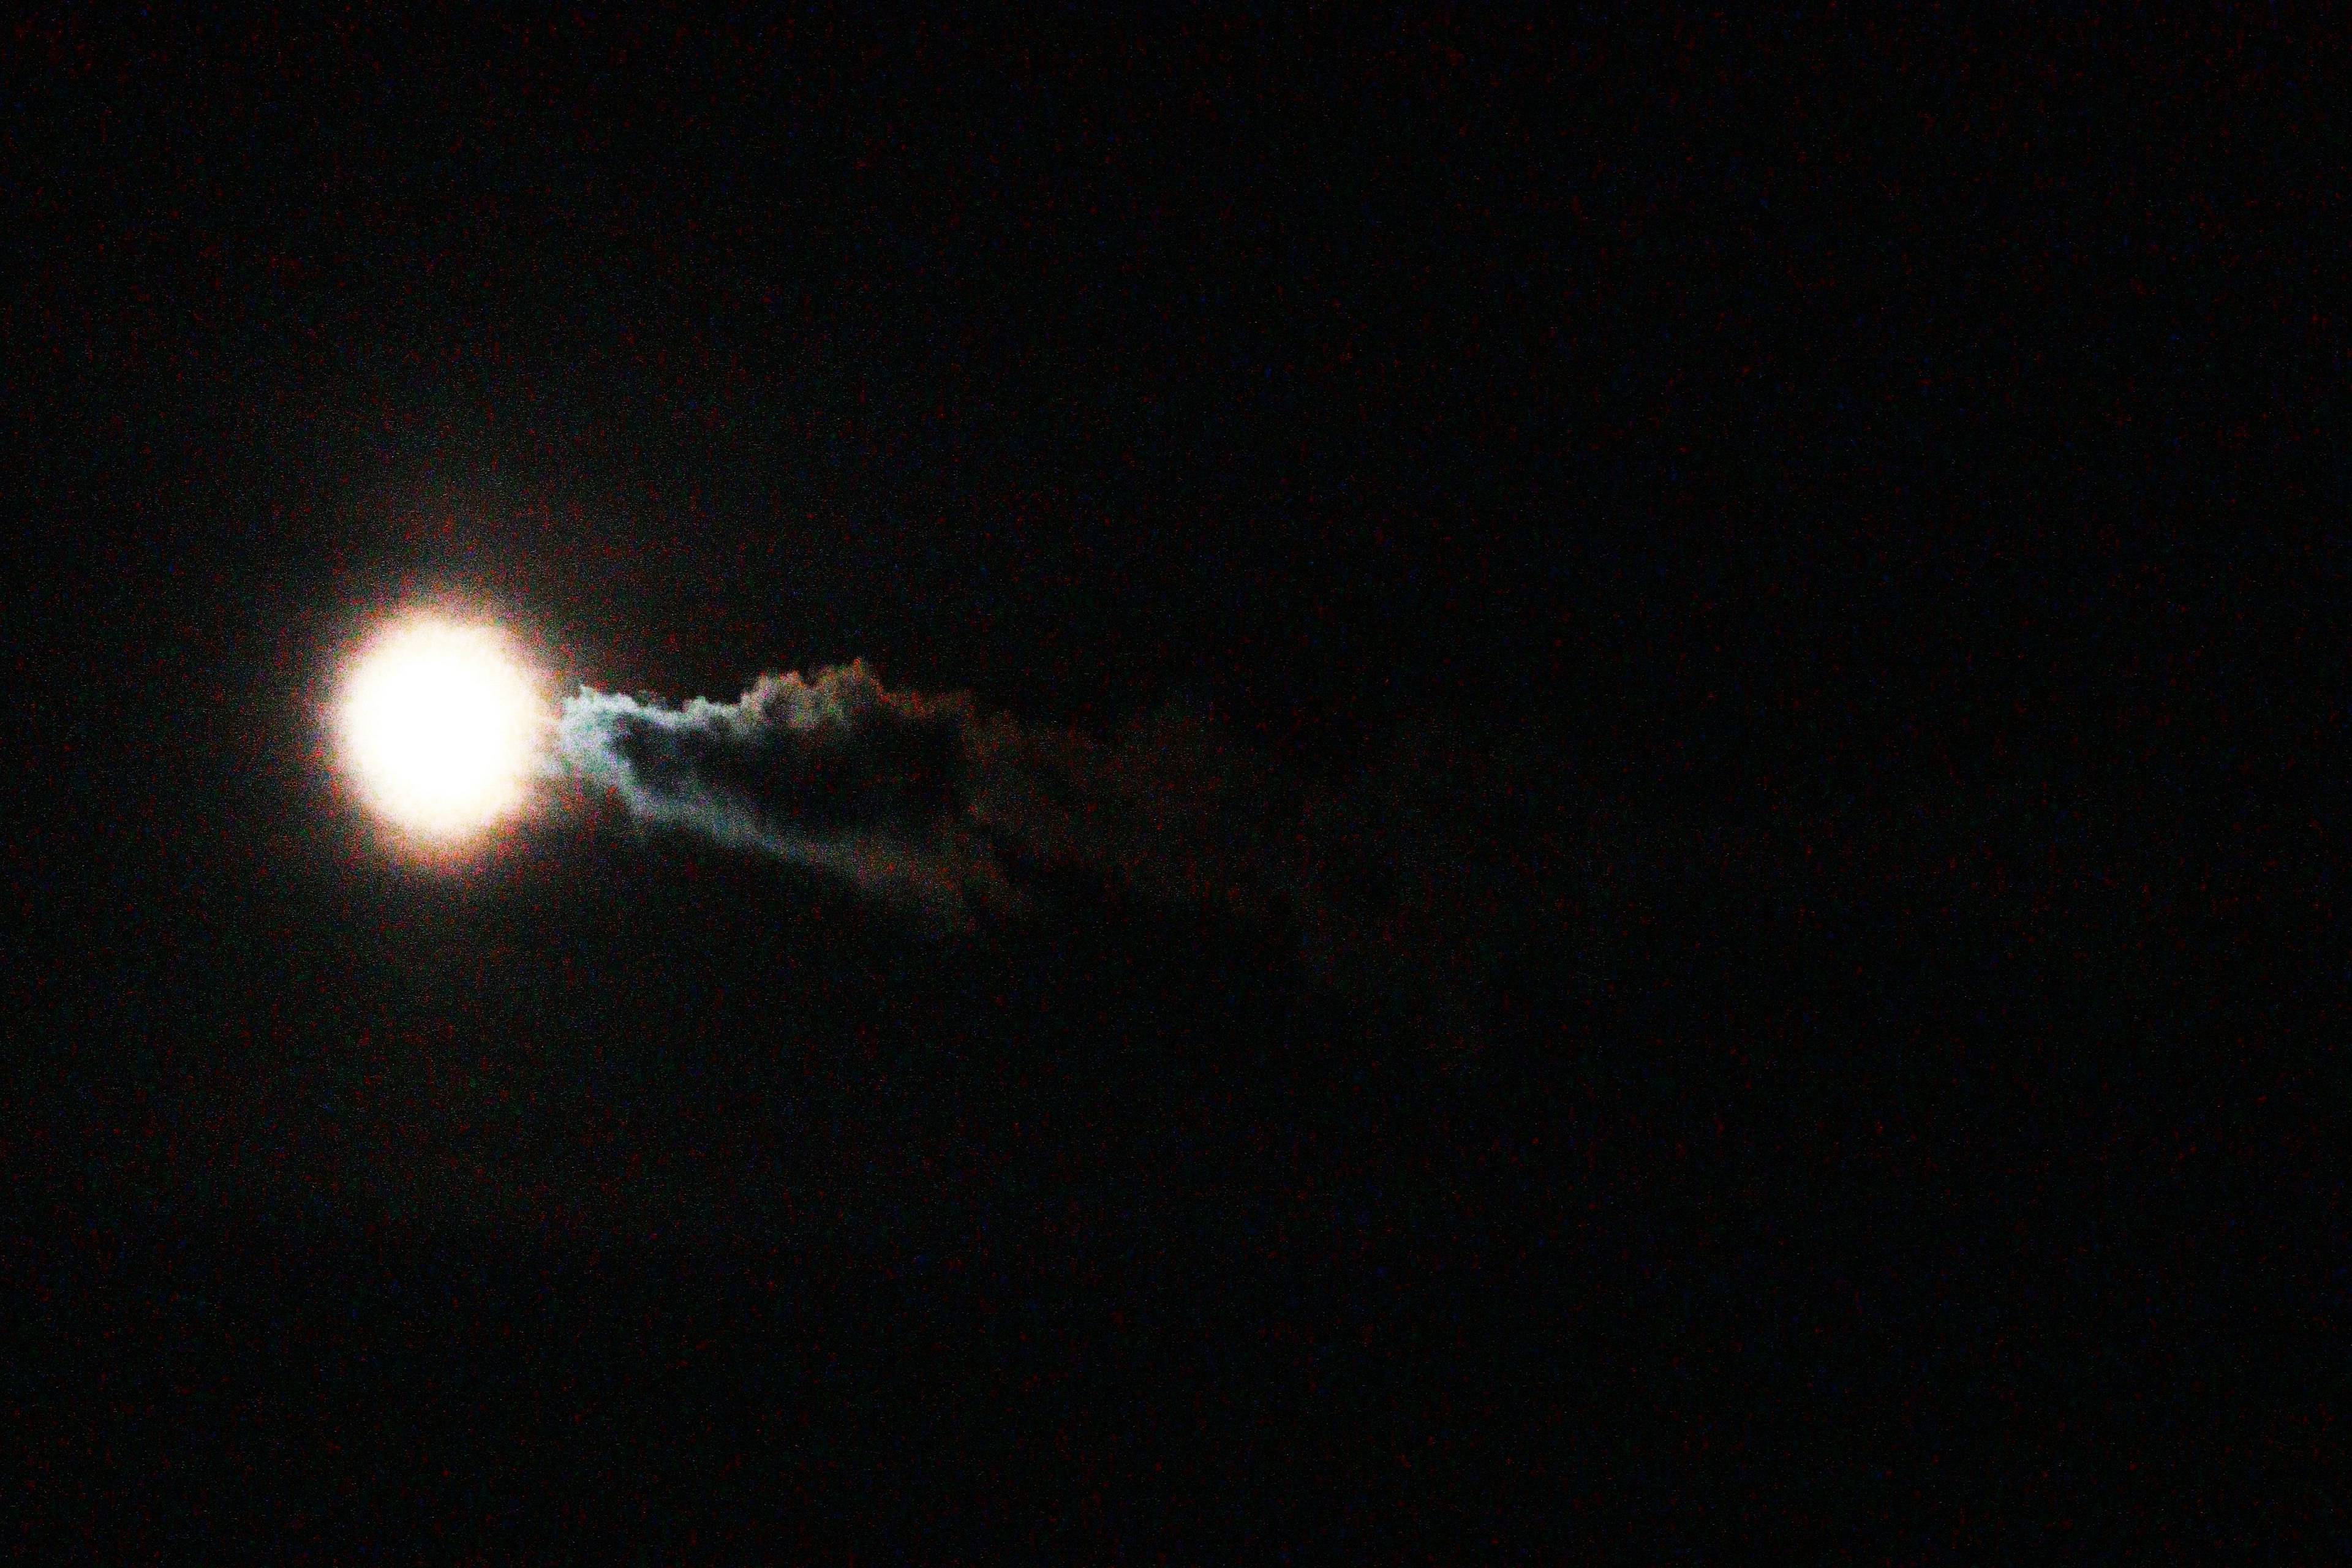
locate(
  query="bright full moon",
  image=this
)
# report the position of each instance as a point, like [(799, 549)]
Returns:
[(440, 725)]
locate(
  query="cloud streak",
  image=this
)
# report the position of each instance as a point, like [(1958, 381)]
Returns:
[(835, 774), (946, 812), (927, 803)]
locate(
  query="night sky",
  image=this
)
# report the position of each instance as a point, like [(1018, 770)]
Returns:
[(1681, 668)]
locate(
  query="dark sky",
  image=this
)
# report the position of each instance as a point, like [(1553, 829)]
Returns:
[(1777, 567)]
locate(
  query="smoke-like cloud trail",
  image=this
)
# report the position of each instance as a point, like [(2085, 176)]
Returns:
[(920, 799), (940, 808), (836, 773)]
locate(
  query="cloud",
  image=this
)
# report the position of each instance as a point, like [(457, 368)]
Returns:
[(835, 774), (1398, 894)]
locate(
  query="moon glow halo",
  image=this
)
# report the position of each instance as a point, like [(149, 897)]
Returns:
[(439, 726)]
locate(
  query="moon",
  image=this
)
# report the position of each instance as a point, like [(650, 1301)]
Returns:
[(440, 727)]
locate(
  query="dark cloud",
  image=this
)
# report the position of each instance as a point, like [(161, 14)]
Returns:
[(835, 774), (939, 808)]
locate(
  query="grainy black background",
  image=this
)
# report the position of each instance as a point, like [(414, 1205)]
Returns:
[(1816, 546)]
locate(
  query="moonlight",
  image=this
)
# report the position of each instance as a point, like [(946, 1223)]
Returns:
[(439, 726)]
